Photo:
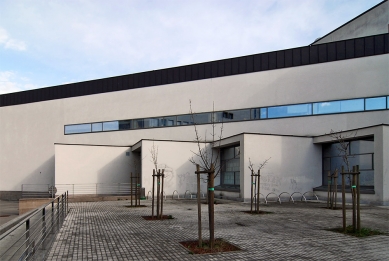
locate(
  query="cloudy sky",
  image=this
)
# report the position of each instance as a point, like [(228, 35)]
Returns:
[(48, 42)]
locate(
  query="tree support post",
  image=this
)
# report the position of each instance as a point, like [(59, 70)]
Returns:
[(211, 191)]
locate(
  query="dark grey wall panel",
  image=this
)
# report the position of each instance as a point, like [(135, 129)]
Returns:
[(250, 63), (272, 60), (350, 49), (297, 56), (334, 51), (227, 67), (322, 53), (359, 47), (214, 71), (234, 66), (242, 65), (280, 59), (341, 50)]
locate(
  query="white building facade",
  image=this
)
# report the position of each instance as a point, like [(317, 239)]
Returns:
[(279, 105)]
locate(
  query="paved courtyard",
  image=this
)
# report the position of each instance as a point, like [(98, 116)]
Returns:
[(111, 231)]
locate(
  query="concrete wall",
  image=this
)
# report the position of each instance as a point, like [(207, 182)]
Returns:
[(295, 164), (28, 132), (372, 23), (83, 164), (174, 158)]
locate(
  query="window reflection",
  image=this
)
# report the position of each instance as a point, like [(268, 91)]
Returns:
[(375, 103), (98, 126), (77, 128), (289, 111), (236, 115), (110, 125)]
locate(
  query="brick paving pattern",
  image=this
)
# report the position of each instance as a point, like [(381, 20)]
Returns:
[(110, 231)]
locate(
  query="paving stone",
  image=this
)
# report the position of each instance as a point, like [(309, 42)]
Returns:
[(110, 231)]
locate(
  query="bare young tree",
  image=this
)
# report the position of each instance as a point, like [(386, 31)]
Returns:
[(206, 162), (158, 174), (255, 183)]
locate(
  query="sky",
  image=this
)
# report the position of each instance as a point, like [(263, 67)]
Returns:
[(52, 42)]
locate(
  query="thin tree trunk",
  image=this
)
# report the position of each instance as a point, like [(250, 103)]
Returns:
[(199, 207)]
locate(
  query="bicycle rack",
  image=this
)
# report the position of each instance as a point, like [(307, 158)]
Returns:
[(272, 193), (313, 195), (260, 194), (189, 194), (178, 195), (302, 196), (279, 196), (148, 193)]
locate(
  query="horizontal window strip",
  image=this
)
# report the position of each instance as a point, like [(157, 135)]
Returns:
[(271, 112)]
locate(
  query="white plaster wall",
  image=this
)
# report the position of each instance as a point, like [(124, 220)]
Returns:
[(174, 158), (294, 166), (374, 22), (28, 132), (80, 164)]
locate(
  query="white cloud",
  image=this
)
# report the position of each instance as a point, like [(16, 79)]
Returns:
[(10, 43), (10, 82)]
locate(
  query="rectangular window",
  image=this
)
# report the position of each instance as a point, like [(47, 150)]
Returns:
[(230, 166), (125, 125), (110, 126), (78, 128), (338, 106), (202, 118), (137, 124), (184, 120), (289, 111), (98, 126), (378, 103), (151, 123), (169, 121), (236, 115), (255, 114)]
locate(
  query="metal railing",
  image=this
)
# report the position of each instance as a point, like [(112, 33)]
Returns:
[(97, 189), (33, 236)]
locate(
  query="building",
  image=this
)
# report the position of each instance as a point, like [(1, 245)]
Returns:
[(280, 105)]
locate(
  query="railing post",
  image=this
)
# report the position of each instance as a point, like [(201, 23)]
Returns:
[(43, 223), (52, 215), (27, 236)]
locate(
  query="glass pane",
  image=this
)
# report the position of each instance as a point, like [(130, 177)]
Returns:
[(326, 164), (233, 165), (228, 178), (236, 115), (184, 120), (227, 153), (366, 178), (263, 113), (237, 152), (97, 126), (365, 161), (237, 178), (255, 114), (201, 118), (169, 121), (375, 103), (125, 125), (352, 105), (361, 146), (387, 102), (137, 124), (326, 107), (151, 123), (289, 111), (110, 125), (77, 128)]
